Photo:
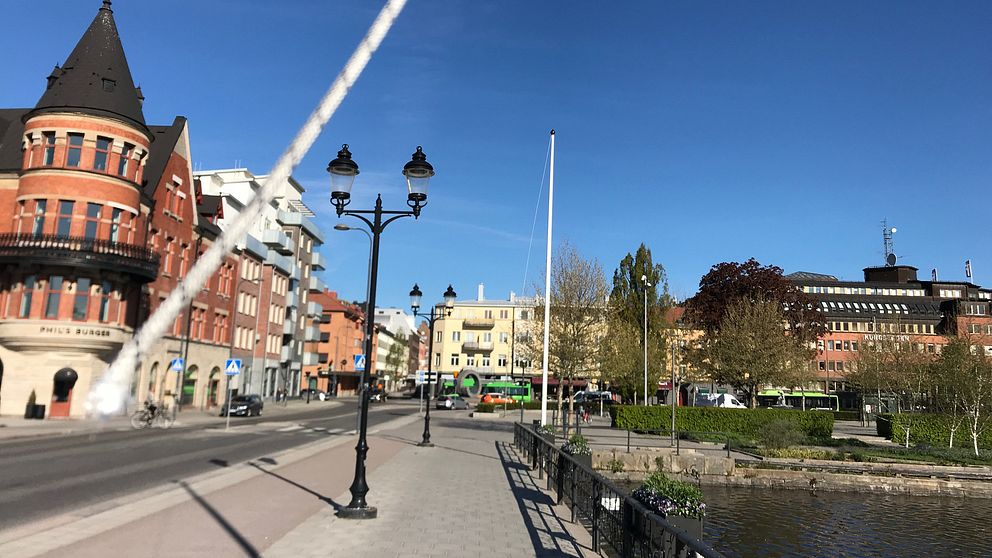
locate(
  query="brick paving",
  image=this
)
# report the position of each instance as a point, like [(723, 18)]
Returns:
[(468, 495)]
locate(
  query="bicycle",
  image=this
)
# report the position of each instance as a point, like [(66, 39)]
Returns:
[(145, 417)]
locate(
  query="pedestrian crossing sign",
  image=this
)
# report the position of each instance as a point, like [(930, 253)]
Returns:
[(176, 365), (359, 363), (232, 367)]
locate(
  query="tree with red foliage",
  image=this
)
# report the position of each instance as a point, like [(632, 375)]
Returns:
[(729, 282)]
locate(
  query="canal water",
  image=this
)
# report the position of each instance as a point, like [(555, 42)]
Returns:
[(749, 522)]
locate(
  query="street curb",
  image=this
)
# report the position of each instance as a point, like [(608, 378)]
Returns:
[(46, 535)]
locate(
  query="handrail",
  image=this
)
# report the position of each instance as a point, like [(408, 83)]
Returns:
[(76, 243), (615, 519)]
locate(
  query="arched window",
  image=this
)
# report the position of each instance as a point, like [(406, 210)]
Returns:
[(189, 386), (153, 380)]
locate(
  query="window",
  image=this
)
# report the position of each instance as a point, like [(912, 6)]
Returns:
[(454, 359), (504, 337), (456, 336), (49, 140), (487, 337), (470, 360), (63, 226), (39, 217), (81, 303), (53, 295), (501, 361), (167, 263), (854, 345), (823, 365), (27, 290), (840, 365), (847, 345), (105, 288), (486, 363), (524, 314), (470, 337), (488, 314), (437, 359), (75, 152), (504, 314), (102, 153), (115, 224), (125, 155), (440, 338), (92, 220), (830, 345)]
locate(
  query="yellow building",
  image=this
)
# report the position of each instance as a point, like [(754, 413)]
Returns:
[(484, 340)]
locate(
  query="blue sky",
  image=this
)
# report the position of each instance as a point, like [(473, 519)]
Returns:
[(711, 131)]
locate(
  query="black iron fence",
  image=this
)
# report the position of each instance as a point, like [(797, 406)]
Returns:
[(620, 525), (74, 250)]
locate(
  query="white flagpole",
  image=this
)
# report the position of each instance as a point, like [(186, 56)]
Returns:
[(547, 287)]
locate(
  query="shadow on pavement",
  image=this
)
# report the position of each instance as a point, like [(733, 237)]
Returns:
[(548, 532), (319, 496), (234, 533), (409, 442)]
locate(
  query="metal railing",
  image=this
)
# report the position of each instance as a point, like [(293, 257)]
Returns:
[(620, 525), (77, 250)]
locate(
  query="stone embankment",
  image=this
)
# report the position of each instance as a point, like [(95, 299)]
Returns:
[(716, 469)]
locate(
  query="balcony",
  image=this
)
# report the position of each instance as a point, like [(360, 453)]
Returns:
[(475, 346), (317, 261), (314, 310), (310, 359), (311, 333), (292, 299), (278, 241), (282, 263), (255, 247), (286, 354), (295, 219), (478, 323), (316, 285), (288, 327), (48, 249)]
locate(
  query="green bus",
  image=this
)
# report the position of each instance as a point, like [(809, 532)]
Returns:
[(519, 392), (802, 400)]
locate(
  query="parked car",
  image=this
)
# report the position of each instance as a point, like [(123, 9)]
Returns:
[(594, 397), (452, 401), (724, 400), (244, 406), (497, 398)]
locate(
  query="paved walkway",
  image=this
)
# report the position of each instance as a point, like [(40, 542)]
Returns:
[(468, 495)]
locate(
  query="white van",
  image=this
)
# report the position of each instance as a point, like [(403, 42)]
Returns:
[(724, 400)]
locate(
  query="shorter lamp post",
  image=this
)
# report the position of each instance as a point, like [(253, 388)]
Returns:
[(449, 303), (308, 388), (647, 285)]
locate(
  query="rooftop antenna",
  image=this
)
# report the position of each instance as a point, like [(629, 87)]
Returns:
[(887, 232)]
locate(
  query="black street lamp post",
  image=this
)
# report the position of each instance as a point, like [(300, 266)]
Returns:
[(449, 303), (308, 388), (343, 169)]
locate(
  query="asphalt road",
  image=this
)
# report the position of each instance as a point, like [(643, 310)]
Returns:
[(44, 477)]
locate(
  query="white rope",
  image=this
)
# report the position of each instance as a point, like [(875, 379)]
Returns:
[(108, 395)]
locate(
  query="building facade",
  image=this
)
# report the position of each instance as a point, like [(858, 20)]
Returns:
[(892, 303), (341, 340), (484, 339)]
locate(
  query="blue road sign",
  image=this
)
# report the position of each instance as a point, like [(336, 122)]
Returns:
[(176, 365), (360, 363), (232, 367)]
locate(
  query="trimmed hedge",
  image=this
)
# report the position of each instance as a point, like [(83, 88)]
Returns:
[(928, 429), (744, 422), (847, 415), (492, 407)]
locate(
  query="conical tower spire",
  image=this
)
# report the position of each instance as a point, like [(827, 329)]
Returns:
[(95, 78)]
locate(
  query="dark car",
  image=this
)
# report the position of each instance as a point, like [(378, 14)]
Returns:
[(452, 401), (244, 406)]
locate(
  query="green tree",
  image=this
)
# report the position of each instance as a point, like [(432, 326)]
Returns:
[(752, 348), (969, 370), (396, 359), (622, 348)]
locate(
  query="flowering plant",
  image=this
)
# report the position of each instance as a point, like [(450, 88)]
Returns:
[(577, 445), (546, 429), (671, 497)]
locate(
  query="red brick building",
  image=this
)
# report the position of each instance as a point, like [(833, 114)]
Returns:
[(342, 335), (104, 222)]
